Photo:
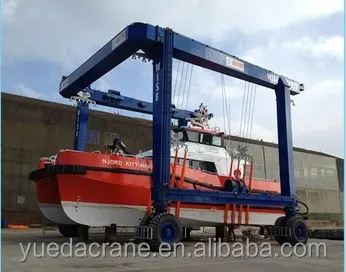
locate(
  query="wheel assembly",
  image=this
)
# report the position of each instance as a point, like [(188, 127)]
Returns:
[(280, 223), (294, 230), (166, 229), (144, 222), (299, 230)]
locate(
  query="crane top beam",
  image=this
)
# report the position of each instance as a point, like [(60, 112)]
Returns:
[(146, 37)]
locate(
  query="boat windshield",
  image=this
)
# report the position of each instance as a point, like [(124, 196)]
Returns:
[(192, 136), (202, 138)]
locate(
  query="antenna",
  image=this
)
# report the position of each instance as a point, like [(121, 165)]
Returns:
[(201, 117)]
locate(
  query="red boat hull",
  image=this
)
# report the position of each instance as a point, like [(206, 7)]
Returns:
[(49, 197), (116, 190)]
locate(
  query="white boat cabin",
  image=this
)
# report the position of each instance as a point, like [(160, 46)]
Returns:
[(206, 150)]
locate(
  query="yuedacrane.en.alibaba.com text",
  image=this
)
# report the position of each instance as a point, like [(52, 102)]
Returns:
[(210, 249)]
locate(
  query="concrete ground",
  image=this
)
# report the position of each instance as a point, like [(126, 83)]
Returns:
[(15, 243)]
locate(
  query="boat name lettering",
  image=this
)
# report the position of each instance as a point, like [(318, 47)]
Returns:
[(112, 162), (127, 164), (138, 165)]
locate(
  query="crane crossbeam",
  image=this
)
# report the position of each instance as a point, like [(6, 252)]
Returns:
[(114, 99), (146, 37)]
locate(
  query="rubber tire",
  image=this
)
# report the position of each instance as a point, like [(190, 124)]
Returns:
[(144, 222), (155, 224), (70, 231), (292, 223), (280, 222)]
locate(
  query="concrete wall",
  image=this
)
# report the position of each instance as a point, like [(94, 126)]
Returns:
[(33, 129)]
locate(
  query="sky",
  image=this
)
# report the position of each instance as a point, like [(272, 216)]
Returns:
[(303, 40)]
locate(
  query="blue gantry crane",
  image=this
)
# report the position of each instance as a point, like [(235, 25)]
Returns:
[(161, 45)]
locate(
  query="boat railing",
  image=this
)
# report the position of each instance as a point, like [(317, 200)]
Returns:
[(129, 155), (239, 154), (46, 159), (267, 180), (208, 172), (67, 149), (51, 158), (201, 170), (263, 179)]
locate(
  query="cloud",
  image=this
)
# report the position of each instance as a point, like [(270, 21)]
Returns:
[(8, 11), (318, 112), (24, 90), (323, 47), (322, 110), (75, 33), (67, 33), (317, 118), (254, 131), (21, 89)]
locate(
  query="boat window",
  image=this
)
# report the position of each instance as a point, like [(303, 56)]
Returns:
[(196, 165), (172, 160), (206, 139), (209, 167), (181, 161), (192, 136), (216, 141), (204, 166)]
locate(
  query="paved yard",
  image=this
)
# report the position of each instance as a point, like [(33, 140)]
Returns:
[(198, 256)]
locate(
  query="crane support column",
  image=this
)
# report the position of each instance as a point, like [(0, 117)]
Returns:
[(162, 101), (81, 128), (283, 110), (80, 138)]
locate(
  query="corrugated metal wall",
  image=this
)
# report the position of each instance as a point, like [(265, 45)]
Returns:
[(33, 128), (340, 171), (30, 131), (318, 178), (135, 133)]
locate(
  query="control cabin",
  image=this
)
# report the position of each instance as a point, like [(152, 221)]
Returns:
[(206, 150)]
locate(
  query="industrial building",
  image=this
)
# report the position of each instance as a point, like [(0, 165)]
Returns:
[(35, 128)]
